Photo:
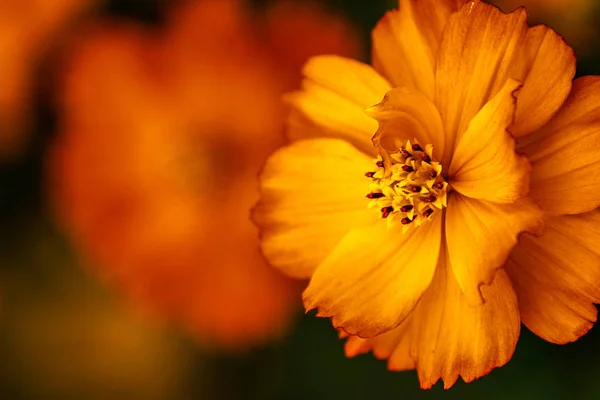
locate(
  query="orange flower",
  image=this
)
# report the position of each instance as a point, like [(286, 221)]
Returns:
[(162, 137), (418, 271), (26, 28)]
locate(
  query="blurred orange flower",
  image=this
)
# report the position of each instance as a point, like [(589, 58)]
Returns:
[(162, 137), (571, 18), (27, 27), (468, 137)]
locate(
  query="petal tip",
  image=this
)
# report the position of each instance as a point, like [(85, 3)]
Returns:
[(582, 330)]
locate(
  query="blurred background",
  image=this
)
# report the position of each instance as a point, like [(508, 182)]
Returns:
[(131, 135)]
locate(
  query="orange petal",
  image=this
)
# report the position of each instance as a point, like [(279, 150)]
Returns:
[(546, 68), (312, 193), (557, 277), (406, 114), (406, 42), (375, 276), (480, 236), (445, 337), (394, 346), (455, 339), (566, 173), (479, 45), (335, 93), (485, 165)]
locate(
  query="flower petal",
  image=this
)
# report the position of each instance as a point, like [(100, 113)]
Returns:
[(480, 236), (406, 114), (564, 154), (485, 165), (406, 42), (455, 339), (557, 277), (394, 346), (445, 337), (479, 45), (312, 194), (375, 276), (546, 67), (335, 93)]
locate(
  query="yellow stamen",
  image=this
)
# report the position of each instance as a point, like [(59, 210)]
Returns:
[(410, 190)]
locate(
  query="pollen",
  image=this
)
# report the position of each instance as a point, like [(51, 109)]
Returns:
[(411, 190)]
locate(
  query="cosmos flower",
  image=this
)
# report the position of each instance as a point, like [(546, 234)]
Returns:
[(27, 30), (162, 135), (412, 181)]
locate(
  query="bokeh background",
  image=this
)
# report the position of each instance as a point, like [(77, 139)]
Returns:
[(174, 303)]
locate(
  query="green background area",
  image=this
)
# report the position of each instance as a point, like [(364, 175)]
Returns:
[(40, 279)]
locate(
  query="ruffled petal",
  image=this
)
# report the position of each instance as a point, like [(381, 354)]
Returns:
[(485, 165), (480, 236), (445, 337), (557, 277), (455, 339), (406, 114), (394, 346), (406, 42), (546, 67), (312, 194), (479, 46), (565, 178), (335, 92), (375, 276)]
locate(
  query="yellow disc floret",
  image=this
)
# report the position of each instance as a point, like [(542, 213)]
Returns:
[(410, 190)]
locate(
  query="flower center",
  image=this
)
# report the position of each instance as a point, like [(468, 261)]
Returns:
[(410, 190)]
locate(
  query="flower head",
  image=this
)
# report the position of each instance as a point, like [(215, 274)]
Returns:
[(473, 146), (153, 173)]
